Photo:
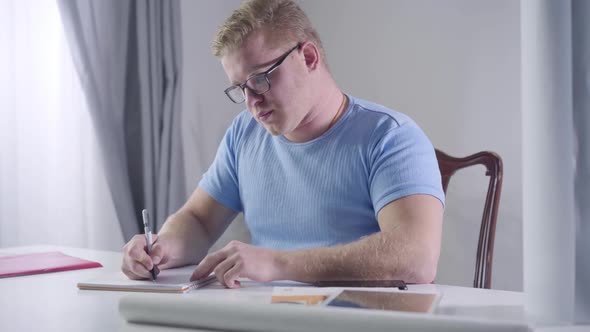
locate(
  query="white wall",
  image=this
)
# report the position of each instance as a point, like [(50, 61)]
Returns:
[(452, 65), (206, 110)]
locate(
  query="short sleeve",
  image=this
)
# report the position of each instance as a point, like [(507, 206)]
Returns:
[(221, 179), (402, 163)]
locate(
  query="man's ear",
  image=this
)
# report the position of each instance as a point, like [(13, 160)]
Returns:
[(311, 55)]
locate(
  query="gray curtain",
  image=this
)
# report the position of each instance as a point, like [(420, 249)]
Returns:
[(581, 117), (128, 56), (556, 160)]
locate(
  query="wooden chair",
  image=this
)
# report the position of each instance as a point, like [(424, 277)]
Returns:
[(485, 248)]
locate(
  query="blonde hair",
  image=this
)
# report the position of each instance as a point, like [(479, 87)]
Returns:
[(284, 18)]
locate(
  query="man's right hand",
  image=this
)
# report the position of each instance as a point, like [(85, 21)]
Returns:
[(183, 239), (137, 264)]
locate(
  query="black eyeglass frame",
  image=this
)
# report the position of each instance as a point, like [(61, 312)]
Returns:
[(264, 74)]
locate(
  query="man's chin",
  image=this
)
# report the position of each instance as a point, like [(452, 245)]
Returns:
[(274, 133), (273, 130)]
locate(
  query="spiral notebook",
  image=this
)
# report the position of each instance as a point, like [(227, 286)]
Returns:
[(168, 281)]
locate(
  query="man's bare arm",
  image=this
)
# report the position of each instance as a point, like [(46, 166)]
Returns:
[(407, 248), (190, 232)]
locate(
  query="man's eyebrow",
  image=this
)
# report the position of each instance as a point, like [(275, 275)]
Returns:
[(256, 69), (262, 65)]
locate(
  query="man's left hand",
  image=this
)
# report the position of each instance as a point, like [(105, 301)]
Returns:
[(236, 260)]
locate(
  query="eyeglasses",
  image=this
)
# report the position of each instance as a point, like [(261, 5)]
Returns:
[(258, 84)]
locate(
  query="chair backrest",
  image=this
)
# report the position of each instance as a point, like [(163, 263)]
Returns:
[(485, 247)]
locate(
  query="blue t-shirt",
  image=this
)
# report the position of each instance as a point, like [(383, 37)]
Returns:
[(326, 191)]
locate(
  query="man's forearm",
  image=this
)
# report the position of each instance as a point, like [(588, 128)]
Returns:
[(185, 238), (379, 256)]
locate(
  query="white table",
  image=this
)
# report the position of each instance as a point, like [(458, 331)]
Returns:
[(52, 302)]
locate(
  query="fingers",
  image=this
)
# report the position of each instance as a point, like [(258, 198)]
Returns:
[(230, 271), (227, 269), (157, 254), (137, 264), (208, 264), (135, 271)]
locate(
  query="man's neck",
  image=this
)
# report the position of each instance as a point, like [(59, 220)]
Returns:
[(320, 118)]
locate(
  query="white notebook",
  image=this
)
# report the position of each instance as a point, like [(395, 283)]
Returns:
[(168, 281)]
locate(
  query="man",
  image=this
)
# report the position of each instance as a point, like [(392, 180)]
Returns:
[(332, 187)]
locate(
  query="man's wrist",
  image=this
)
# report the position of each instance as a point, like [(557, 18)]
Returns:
[(281, 265)]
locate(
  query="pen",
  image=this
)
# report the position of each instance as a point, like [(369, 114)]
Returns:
[(148, 238)]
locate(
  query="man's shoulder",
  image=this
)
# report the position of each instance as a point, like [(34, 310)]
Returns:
[(381, 114)]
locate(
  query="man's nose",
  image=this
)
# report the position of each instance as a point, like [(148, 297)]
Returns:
[(252, 99)]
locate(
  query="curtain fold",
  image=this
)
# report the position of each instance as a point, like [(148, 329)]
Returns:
[(133, 95), (49, 155), (556, 160), (581, 117)]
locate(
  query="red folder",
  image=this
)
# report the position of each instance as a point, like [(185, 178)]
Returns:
[(44, 262)]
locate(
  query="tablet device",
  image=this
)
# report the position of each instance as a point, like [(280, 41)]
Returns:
[(377, 300), (399, 284)]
